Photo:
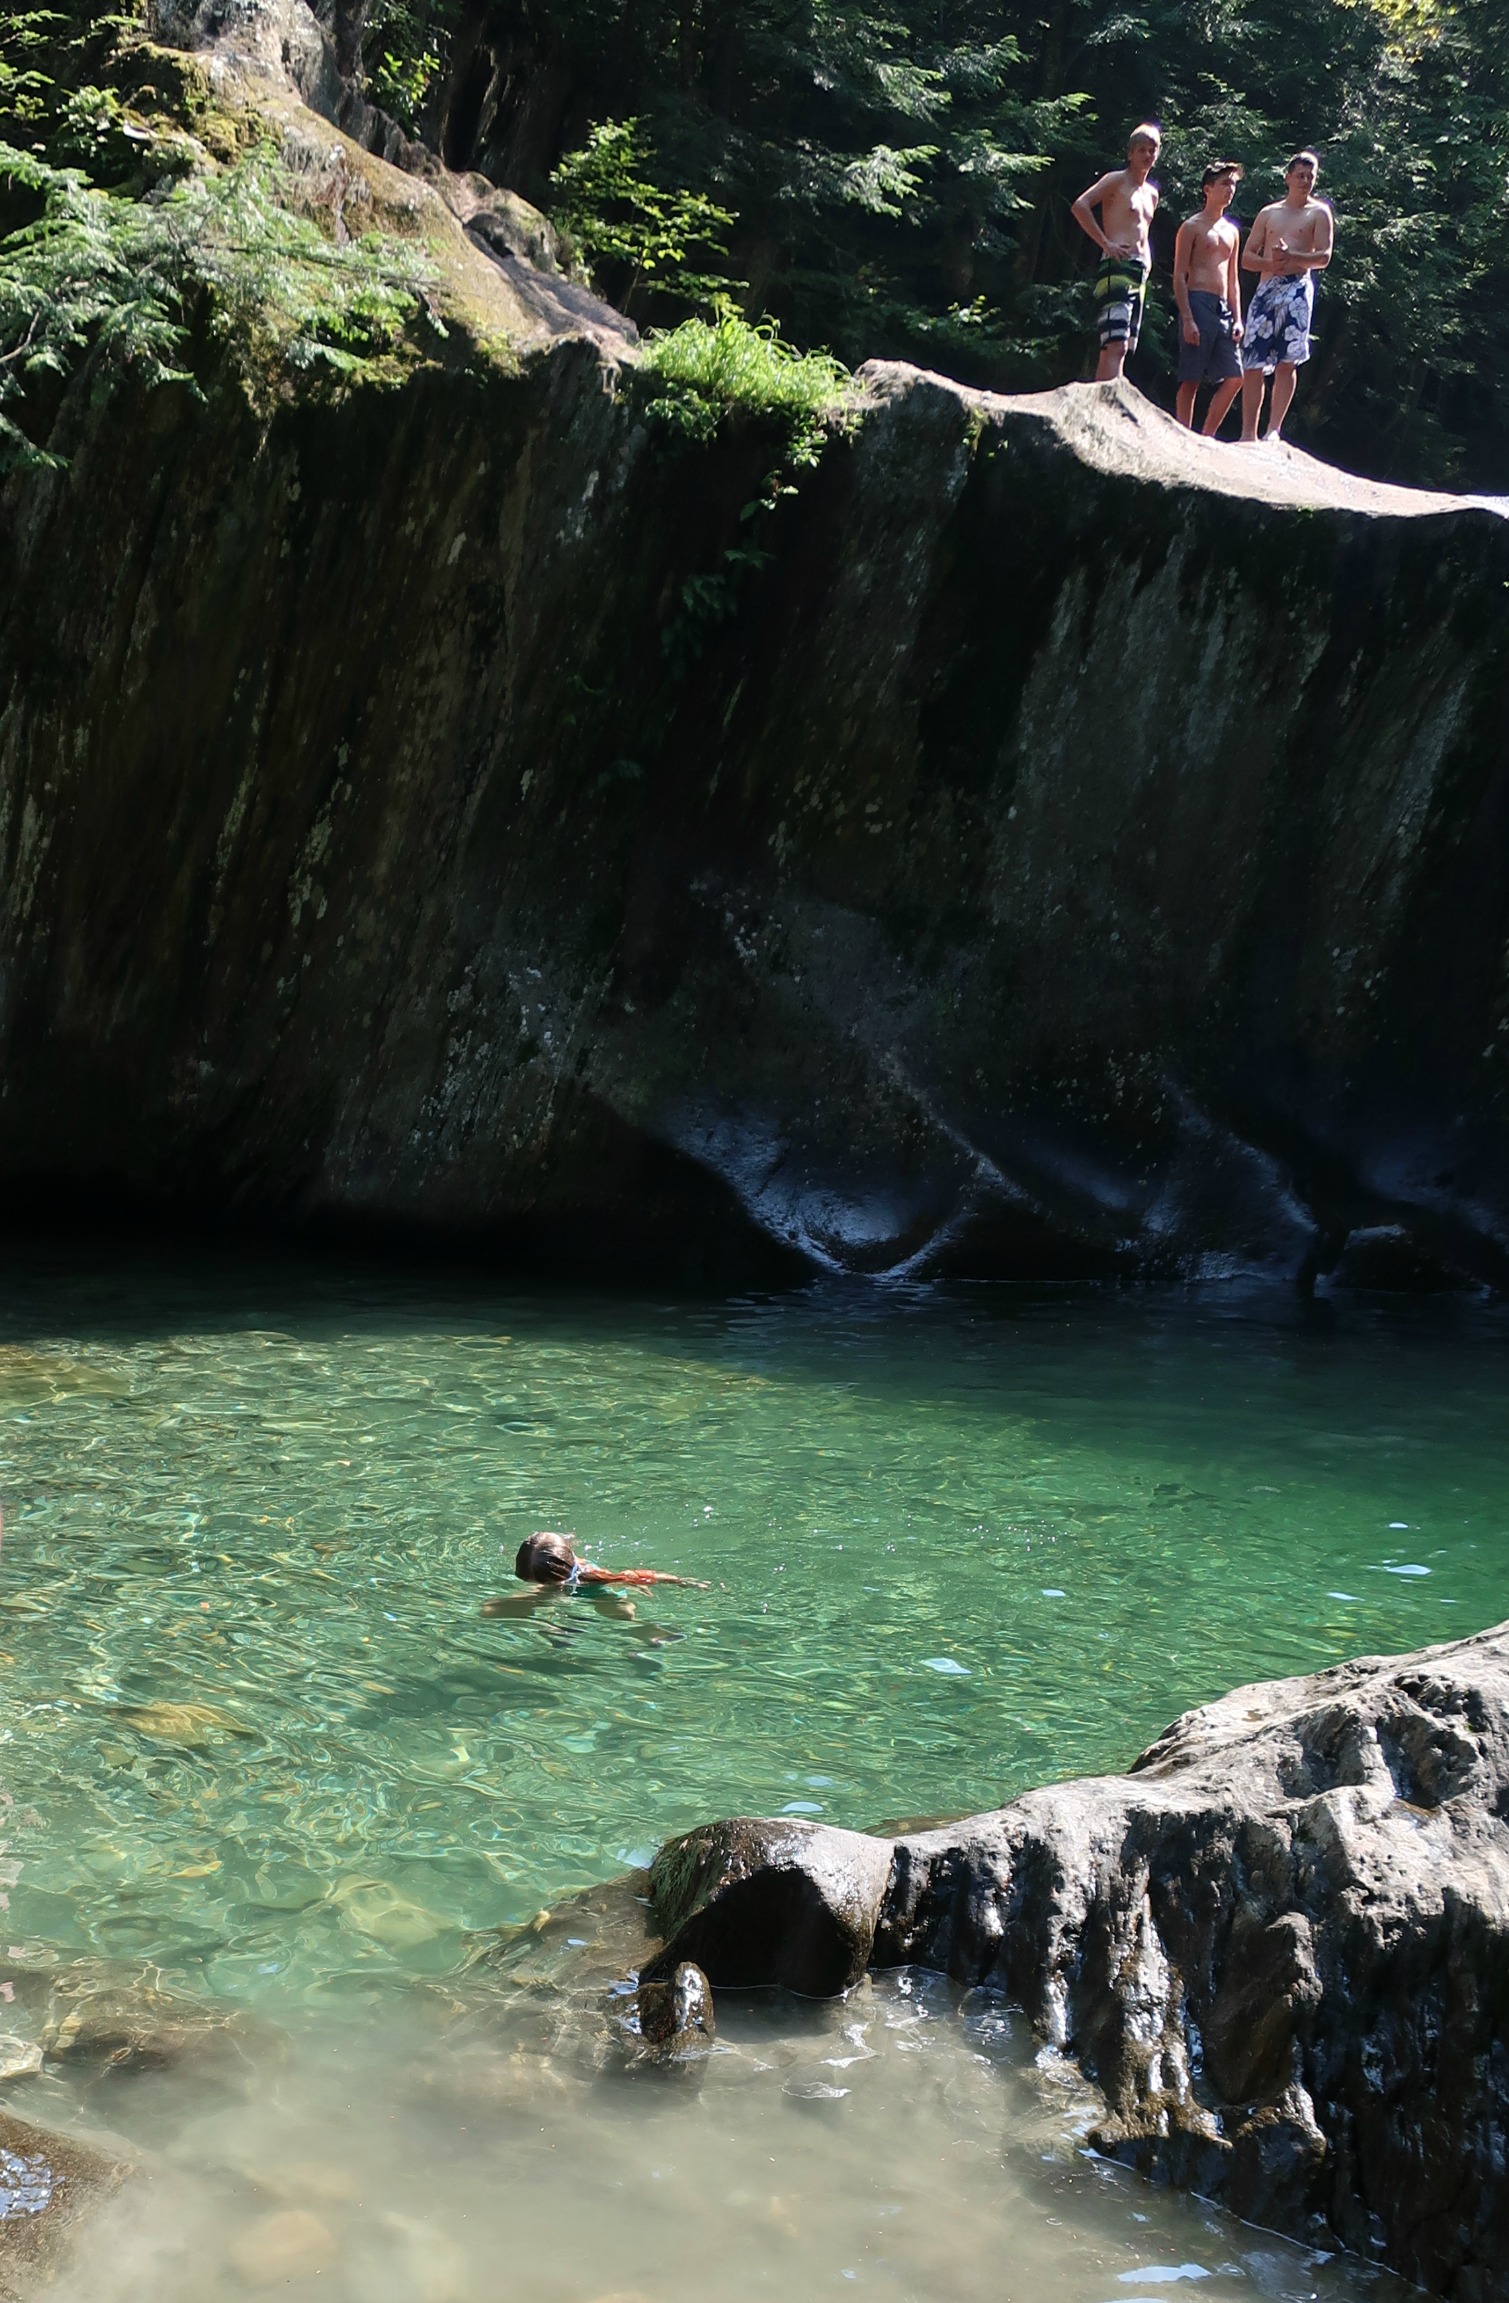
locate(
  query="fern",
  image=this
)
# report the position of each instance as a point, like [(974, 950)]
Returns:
[(638, 235), (122, 278)]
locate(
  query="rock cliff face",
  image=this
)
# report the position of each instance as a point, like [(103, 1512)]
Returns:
[(1062, 847), (1280, 1947)]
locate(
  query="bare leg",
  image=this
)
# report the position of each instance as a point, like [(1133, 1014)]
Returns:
[(1184, 405), (1252, 402), (1109, 366), (1285, 377), (1220, 400)]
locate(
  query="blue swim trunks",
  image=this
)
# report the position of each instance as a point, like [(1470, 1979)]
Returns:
[(1278, 322), (1214, 359)]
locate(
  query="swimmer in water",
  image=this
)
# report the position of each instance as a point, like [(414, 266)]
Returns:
[(551, 1560)]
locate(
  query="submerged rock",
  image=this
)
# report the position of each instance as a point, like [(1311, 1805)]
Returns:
[(667, 2021), (101, 2027), (19, 2058), (279, 2250), (404, 2259), (194, 1725), (48, 2183), (1279, 1946)]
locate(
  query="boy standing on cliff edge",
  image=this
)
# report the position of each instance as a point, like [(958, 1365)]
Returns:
[(1207, 290), (1127, 204), (1290, 242)]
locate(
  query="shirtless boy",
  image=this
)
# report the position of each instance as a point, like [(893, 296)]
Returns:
[(1127, 204), (1207, 290), (1290, 242)]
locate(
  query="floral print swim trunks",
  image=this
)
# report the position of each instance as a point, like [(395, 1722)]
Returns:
[(1278, 322)]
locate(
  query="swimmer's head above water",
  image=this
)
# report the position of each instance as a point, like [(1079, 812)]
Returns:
[(546, 1558)]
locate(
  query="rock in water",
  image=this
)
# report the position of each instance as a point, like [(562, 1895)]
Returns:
[(751, 1903), (675, 2014), (19, 2058), (403, 2259), (1279, 1945), (280, 2249), (103, 2028), (47, 2182), (194, 1725)]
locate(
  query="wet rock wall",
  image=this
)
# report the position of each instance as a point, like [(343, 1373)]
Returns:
[(1041, 846)]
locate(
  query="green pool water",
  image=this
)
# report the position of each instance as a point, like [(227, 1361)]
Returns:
[(959, 1544), (258, 1741)]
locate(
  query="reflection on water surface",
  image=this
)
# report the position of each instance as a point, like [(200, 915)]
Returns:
[(258, 1736)]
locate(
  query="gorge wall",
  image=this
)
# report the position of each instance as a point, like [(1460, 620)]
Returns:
[(1043, 845)]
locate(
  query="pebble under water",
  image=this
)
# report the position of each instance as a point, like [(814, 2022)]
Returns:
[(260, 1746)]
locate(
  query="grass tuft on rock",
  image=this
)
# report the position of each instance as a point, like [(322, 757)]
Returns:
[(706, 370)]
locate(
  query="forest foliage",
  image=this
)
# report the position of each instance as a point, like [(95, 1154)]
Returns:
[(133, 248), (872, 177), (896, 174)]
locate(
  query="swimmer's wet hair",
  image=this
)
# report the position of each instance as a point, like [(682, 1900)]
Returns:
[(545, 1558), (1220, 168), (1305, 159)]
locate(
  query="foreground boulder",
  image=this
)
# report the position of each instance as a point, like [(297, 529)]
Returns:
[(1279, 1945), (753, 1903)]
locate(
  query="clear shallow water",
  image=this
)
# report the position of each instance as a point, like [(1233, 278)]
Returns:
[(901, 2146), (257, 1734)]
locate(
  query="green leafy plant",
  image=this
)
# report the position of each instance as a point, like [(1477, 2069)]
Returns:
[(639, 236), (700, 375), (705, 370), (25, 88), (101, 275), (404, 50), (56, 95)]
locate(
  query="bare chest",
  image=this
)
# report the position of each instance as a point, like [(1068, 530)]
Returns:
[(1294, 227), (1213, 244), (1129, 205)]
